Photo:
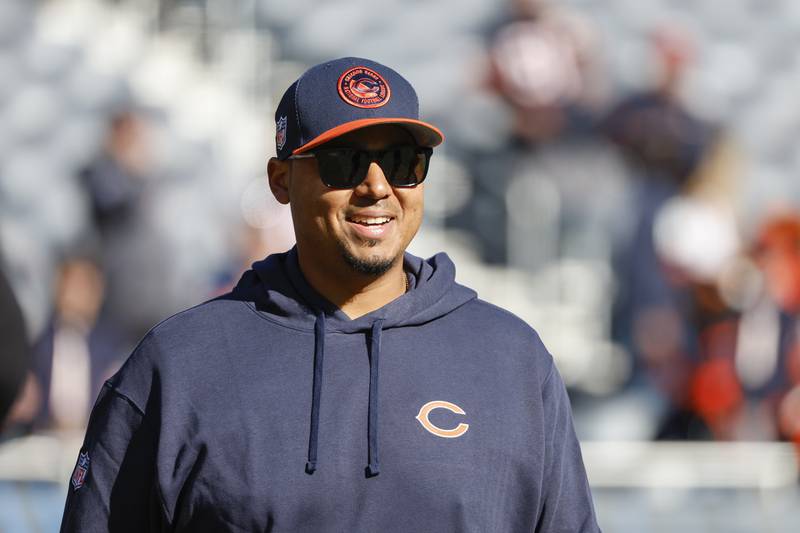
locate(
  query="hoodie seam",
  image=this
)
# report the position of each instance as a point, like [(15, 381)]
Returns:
[(550, 374), (121, 395), (505, 312), (252, 307), (161, 325), (263, 316), (113, 389)]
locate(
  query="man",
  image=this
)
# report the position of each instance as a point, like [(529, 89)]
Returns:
[(260, 410)]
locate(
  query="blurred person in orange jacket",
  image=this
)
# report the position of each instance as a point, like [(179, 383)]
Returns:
[(777, 253), (745, 373), (686, 340)]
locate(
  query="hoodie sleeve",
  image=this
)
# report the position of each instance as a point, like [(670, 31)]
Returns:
[(113, 485), (567, 501)]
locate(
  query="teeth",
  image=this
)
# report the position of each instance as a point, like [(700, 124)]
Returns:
[(370, 221)]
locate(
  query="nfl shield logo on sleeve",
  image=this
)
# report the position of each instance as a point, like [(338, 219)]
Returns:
[(280, 133), (81, 469)]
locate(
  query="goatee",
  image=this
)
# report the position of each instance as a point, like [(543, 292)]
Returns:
[(373, 266)]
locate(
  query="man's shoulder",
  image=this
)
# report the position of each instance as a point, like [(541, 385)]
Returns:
[(508, 337), (496, 315), (491, 319), (191, 328), (181, 345), (215, 312)]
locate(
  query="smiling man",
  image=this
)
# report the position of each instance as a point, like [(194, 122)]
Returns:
[(344, 385), (351, 237)]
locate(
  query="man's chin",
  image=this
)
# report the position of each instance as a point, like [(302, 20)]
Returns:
[(369, 261)]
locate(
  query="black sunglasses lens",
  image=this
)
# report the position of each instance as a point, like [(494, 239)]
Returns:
[(420, 162), (341, 168), (405, 166), (345, 168), (395, 163)]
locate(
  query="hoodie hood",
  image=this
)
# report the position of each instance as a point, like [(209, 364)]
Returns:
[(278, 288)]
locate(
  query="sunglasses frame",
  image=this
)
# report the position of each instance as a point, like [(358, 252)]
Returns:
[(374, 157)]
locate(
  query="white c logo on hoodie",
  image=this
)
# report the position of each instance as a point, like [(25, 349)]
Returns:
[(425, 410)]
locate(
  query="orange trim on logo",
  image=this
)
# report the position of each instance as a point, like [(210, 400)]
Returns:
[(426, 409), (363, 123)]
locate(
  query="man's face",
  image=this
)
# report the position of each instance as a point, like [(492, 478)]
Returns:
[(366, 228)]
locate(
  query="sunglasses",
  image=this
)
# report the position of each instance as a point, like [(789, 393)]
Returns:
[(346, 168)]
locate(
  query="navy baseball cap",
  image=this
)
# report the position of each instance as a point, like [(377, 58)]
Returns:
[(345, 95)]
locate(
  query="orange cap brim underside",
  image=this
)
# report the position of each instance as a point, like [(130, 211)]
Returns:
[(424, 133)]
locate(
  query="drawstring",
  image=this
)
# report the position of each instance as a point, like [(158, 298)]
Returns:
[(319, 352), (373, 467)]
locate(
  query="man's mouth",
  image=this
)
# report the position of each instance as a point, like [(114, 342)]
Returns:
[(369, 221), (372, 226)]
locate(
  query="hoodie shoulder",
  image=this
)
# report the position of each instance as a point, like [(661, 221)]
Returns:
[(509, 330), (185, 325), (498, 316), (174, 342)]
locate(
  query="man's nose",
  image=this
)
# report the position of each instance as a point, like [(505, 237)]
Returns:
[(375, 185)]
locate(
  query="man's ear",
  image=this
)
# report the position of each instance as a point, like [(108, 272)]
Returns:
[(278, 174)]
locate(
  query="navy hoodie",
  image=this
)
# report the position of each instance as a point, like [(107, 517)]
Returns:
[(268, 409)]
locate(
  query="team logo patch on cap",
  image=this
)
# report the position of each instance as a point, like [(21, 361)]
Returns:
[(81, 470), (280, 133), (363, 87)]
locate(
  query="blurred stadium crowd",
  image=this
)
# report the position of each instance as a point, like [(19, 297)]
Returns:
[(620, 173)]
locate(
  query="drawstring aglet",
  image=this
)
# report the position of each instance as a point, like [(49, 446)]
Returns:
[(372, 470)]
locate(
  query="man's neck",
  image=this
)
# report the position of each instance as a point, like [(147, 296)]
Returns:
[(354, 293)]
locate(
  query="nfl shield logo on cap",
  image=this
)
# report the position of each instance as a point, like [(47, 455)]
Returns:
[(280, 133)]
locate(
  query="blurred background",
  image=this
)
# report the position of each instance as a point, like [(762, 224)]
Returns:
[(622, 174)]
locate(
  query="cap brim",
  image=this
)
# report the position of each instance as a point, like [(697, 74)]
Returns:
[(425, 134)]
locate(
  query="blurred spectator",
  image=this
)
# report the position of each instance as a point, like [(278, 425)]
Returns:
[(686, 336), (115, 179), (14, 354), (723, 346), (253, 244), (746, 369), (660, 137), (777, 254), (120, 183), (544, 64), (664, 312), (79, 349)]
